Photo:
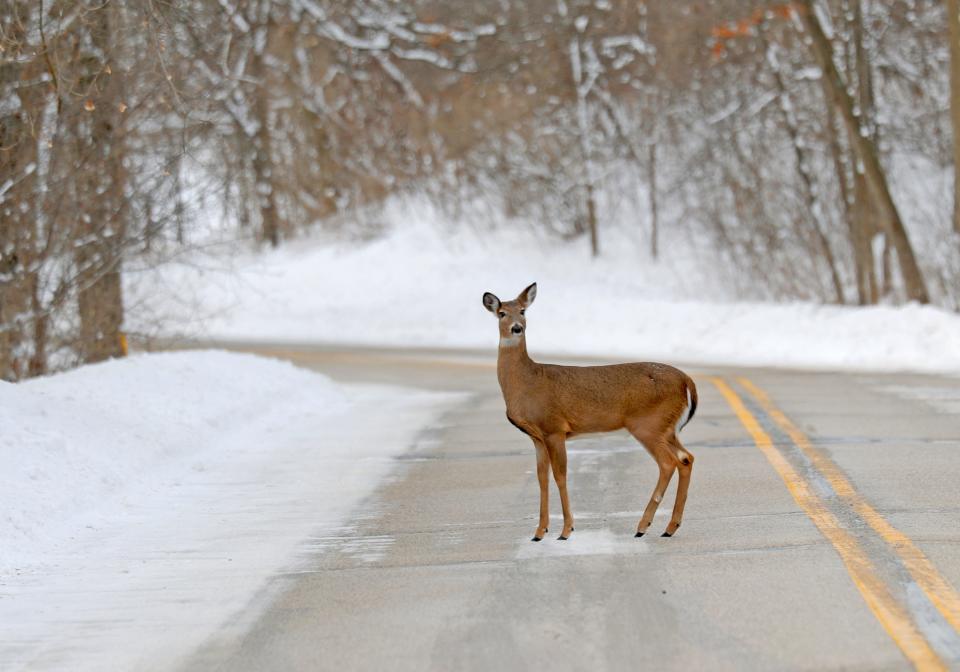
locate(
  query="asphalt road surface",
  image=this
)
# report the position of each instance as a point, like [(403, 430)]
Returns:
[(822, 531)]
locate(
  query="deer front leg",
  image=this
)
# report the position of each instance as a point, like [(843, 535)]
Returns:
[(556, 446), (543, 477)]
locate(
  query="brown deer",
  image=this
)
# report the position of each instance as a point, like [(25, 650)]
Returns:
[(552, 403)]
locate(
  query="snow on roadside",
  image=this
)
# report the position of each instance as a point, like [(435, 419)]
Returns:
[(125, 429), (420, 285), (158, 493)]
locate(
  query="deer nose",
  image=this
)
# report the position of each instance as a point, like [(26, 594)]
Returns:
[(517, 329)]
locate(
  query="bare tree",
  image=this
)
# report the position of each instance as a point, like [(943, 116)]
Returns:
[(866, 152), (775, 133), (953, 21)]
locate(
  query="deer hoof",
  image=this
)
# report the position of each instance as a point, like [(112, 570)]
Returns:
[(666, 534), (562, 538), (639, 534), (536, 539)]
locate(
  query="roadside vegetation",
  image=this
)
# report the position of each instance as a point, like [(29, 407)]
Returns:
[(807, 145)]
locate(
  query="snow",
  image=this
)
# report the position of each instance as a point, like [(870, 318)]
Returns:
[(582, 542), (421, 284), (160, 493)]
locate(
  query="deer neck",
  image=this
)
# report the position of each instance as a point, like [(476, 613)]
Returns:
[(513, 364)]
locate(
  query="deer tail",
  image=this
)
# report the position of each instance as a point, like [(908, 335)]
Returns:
[(691, 392)]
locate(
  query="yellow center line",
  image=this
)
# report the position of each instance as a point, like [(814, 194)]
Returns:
[(894, 618), (937, 588)]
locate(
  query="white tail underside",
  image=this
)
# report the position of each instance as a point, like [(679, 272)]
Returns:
[(685, 417)]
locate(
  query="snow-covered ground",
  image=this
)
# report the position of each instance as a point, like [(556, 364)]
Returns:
[(420, 285), (158, 493)]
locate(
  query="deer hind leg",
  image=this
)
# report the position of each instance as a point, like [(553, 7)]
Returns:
[(557, 448), (543, 478), (667, 463), (685, 469)]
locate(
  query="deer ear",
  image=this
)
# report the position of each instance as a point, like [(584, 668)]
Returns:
[(490, 302), (528, 295)]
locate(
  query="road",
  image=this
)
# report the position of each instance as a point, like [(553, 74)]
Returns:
[(822, 532)]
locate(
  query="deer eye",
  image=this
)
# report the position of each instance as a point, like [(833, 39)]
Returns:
[(523, 312), (501, 315)]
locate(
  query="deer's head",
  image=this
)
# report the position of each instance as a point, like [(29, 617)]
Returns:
[(511, 314)]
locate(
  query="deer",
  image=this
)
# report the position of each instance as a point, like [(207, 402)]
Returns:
[(551, 403)]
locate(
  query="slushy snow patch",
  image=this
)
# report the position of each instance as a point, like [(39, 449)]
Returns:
[(159, 494)]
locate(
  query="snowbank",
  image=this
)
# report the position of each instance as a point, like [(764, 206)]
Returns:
[(123, 429), (421, 284), (158, 493)]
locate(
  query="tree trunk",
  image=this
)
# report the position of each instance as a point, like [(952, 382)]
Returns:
[(18, 203), (100, 295), (654, 211), (867, 156), (862, 255), (263, 178), (592, 220), (953, 21), (868, 216), (14, 304), (815, 211), (581, 86), (37, 366), (262, 148), (101, 318), (863, 230)]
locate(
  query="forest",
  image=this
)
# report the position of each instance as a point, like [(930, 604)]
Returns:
[(810, 145)]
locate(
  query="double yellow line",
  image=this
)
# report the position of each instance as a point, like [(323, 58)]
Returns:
[(894, 617)]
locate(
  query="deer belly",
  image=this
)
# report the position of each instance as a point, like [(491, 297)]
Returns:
[(565, 418), (586, 421)]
